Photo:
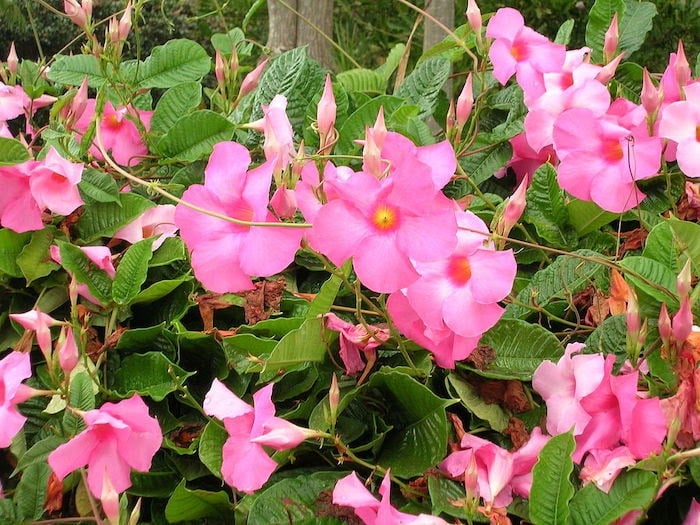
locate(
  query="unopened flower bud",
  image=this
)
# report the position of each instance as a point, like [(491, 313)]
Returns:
[(634, 321), (12, 60), (79, 14), (325, 115), (474, 16), (465, 102), (651, 97), (250, 82), (683, 280), (682, 67), (334, 398), (67, 350), (608, 71), (125, 23), (665, 330), (683, 321), (515, 206), (612, 39), (219, 69)]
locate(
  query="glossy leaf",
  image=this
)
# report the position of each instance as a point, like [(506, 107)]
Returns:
[(177, 61), (104, 219), (132, 271), (194, 135), (150, 374), (12, 152), (552, 489)]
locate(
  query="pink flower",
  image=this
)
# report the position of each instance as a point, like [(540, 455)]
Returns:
[(157, 221), (351, 492), (519, 50), (79, 12), (119, 437), (246, 466), (279, 136), (40, 323), (18, 208), (225, 255), (525, 160), (54, 182), (13, 100), (680, 122), (15, 367), (676, 75), (100, 255), (355, 338), (250, 82), (118, 131), (693, 516), (603, 466), (67, 349)]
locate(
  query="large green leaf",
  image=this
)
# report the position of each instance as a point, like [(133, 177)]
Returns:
[(418, 439), (587, 216), (292, 500), (194, 135), (31, 490), (488, 159), (81, 397), (12, 152), (635, 25), (599, 18), (551, 484), (105, 218), (11, 245), (98, 186), (158, 290), (468, 395), (39, 452), (175, 103), (177, 61), (651, 274), (631, 490), (363, 81), (296, 349), (610, 337), (687, 236), (186, 505), (74, 260), (446, 496), (150, 374), (567, 275), (132, 271), (365, 115), (520, 348), (211, 443), (424, 83), (73, 69), (546, 209)]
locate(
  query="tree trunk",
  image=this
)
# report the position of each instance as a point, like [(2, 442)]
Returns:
[(320, 14), (444, 12), (282, 26)]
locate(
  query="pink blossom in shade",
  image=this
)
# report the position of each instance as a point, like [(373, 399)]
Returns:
[(119, 437), (601, 159), (18, 209), (387, 224), (446, 346), (226, 255), (100, 255), (246, 466), (354, 338), (525, 160), (462, 290), (118, 131), (54, 182), (682, 408), (279, 136), (693, 516), (13, 100), (518, 50), (351, 492), (156, 221), (15, 367), (603, 466), (680, 122), (39, 323)]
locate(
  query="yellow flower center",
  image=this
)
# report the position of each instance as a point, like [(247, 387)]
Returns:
[(385, 218)]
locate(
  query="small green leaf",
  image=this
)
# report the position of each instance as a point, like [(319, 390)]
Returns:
[(158, 290), (651, 274), (98, 186), (587, 216), (194, 135), (365, 115), (74, 260), (132, 271), (424, 83), (35, 259), (150, 374), (323, 301), (186, 504), (31, 490), (564, 33), (446, 496), (363, 81), (71, 70), (173, 249), (175, 103), (11, 246), (467, 394), (82, 397), (173, 63), (491, 157), (211, 443), (105, 218), (393, 59), (295, 349), (38, 453), (12, 152), (552, 489), (687, 235)]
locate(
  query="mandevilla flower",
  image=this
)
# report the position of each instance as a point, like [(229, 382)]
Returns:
[(15, 367), (680, 122), (40, 323), (158, 221), (119, 437), (246, 466), (355, 338), (279, 143)]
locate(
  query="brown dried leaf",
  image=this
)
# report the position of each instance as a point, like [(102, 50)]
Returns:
[(598, 310), (54, 494), (517, 432), (514, 398), (482, 357), (263, 300)]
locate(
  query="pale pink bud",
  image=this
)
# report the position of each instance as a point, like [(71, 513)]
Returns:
[(612, 39), (608, 71), (79, 14), (474, 16), (113, 30), (652, 96), (325, 115), (334, 398), (683, 281), (634, 321), (465, 102), (665, 330), (79, 102), (683, 321), (110, 499), (125, 22), (250, 82), (12, 59), (682, 67), (219, 68), (67, 349), (515, 206)]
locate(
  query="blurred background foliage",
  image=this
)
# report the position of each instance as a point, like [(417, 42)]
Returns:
[(367, 29)]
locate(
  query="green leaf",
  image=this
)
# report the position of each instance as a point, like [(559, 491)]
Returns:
[(635, 24), (419, 438), (292, 500), (567, 275), (72, 70), (323, 301), (132, 271), (211, 443), (9, 513), (587, 216), (564, 33), (546, 209), (153, 484), (173, 249), (175, 103), (11, 246), (105, 218), (38, 453), (467, 394), (687, 236), (31, 490), (446, 496), (552, 489), (82, 397), (424, 83), (656, 273), (520, 348), (482, 165), (632, 490), (155, 338), (599, 18), (98, 186), (194, 135), (150, 374), (158, 290), (362, 117), (628, 81), (12, 152), (610, 337), (363, 81), (186, 504), (74, 260), (296, 349), (393, 59), (662, 247), (173, 63)]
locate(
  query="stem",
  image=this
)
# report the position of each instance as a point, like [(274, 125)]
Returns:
[(91, 498)]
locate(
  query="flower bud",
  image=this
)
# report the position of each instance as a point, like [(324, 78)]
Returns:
[(651, 97), (665, 331), (250, 82), (12, 60), (325, 115), (515, 206), (608, 71), (465, 102), (612, 39), (474, 16), (78, 13), (634, 321), (683, 280), (219, 69), (67, 349), (125, 23), (682, 67), (683, 321), (334, 398)]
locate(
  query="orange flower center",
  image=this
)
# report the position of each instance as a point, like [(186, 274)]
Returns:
[(612, 150), (385, 218), (518, 51), (113, 121), (459, 270), (57, 178), (697, 133)]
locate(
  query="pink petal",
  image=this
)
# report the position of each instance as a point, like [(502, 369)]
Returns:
[(221, 403), (246, 466), (388, 274), (351, 492)]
